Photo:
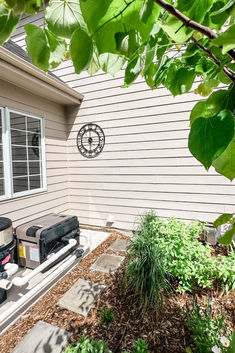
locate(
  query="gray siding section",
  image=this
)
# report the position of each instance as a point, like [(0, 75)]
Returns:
[(145, 163)]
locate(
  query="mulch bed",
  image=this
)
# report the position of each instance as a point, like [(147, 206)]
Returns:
[(165, 333)]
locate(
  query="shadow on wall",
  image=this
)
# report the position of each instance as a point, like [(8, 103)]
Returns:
[(71, 113)]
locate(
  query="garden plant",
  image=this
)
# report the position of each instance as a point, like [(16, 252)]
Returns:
[(88, 345), (106, 315), (167, 250), (146, 272), (209, 332)]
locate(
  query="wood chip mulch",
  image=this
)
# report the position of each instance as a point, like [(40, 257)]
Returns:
[(165, 333)]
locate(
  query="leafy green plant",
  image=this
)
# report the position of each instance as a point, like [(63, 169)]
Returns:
[(106, 315), (140, 346), (209, 332), (187, 259), (226, 239), (146, 273), (87, 345)]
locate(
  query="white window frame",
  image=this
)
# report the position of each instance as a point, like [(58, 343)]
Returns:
[(7, 156)]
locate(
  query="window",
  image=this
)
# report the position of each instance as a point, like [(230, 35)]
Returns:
[(22, 154)]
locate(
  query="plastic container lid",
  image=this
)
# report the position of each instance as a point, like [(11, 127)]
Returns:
[(5, 223)]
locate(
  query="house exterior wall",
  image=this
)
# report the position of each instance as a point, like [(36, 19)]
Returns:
[(55, 198), (145, 163)]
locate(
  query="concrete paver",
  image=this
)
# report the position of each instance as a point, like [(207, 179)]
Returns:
[(107, 263), (81, 296), (43, 338), (119, 245)]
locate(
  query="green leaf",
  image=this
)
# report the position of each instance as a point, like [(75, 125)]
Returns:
[(64, 17), (162, 70), (233, 342), (93, 67), (217, 101), (107, 17), (17, 6), (182, 81), (198, 111), (218, 14), (222, 219), (8, 23), (58, 49), (209, 137), (226, 239), (175, 30), (81, 49), (45, 49), (111, 63), (26, 6), (37, 46), (227, 6), (226, 40), (33, 6), (146, 10), (225, 163), (203, 90), (231, 99), (150, 75), (149, 57), (195, 10), (133, 70), (162, 41), (127, 42)]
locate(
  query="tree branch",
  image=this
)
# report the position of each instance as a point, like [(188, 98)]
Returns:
[(226, 70), (208, 32)]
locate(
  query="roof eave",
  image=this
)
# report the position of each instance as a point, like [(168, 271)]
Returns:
[(21, 73)]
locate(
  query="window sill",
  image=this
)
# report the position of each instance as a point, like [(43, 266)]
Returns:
[(23, 194)]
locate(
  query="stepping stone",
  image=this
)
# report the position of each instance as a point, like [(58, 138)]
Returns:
[(119, 245), (43, 338), (81, 297), (107, 263)]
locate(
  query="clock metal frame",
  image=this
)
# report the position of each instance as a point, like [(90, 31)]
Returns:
[(90, 140)]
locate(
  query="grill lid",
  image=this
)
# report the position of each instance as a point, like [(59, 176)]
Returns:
[(6, 232)]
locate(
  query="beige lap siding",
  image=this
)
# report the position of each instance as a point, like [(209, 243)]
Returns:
[(145, 163), (55, 198)]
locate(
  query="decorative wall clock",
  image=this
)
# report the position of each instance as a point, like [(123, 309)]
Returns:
[(90, 140)]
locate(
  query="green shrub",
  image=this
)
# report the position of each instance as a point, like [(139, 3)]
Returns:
[(87, 345), (189, 260), (146, 274), (106, 315), (140, 346), (208, 330)]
